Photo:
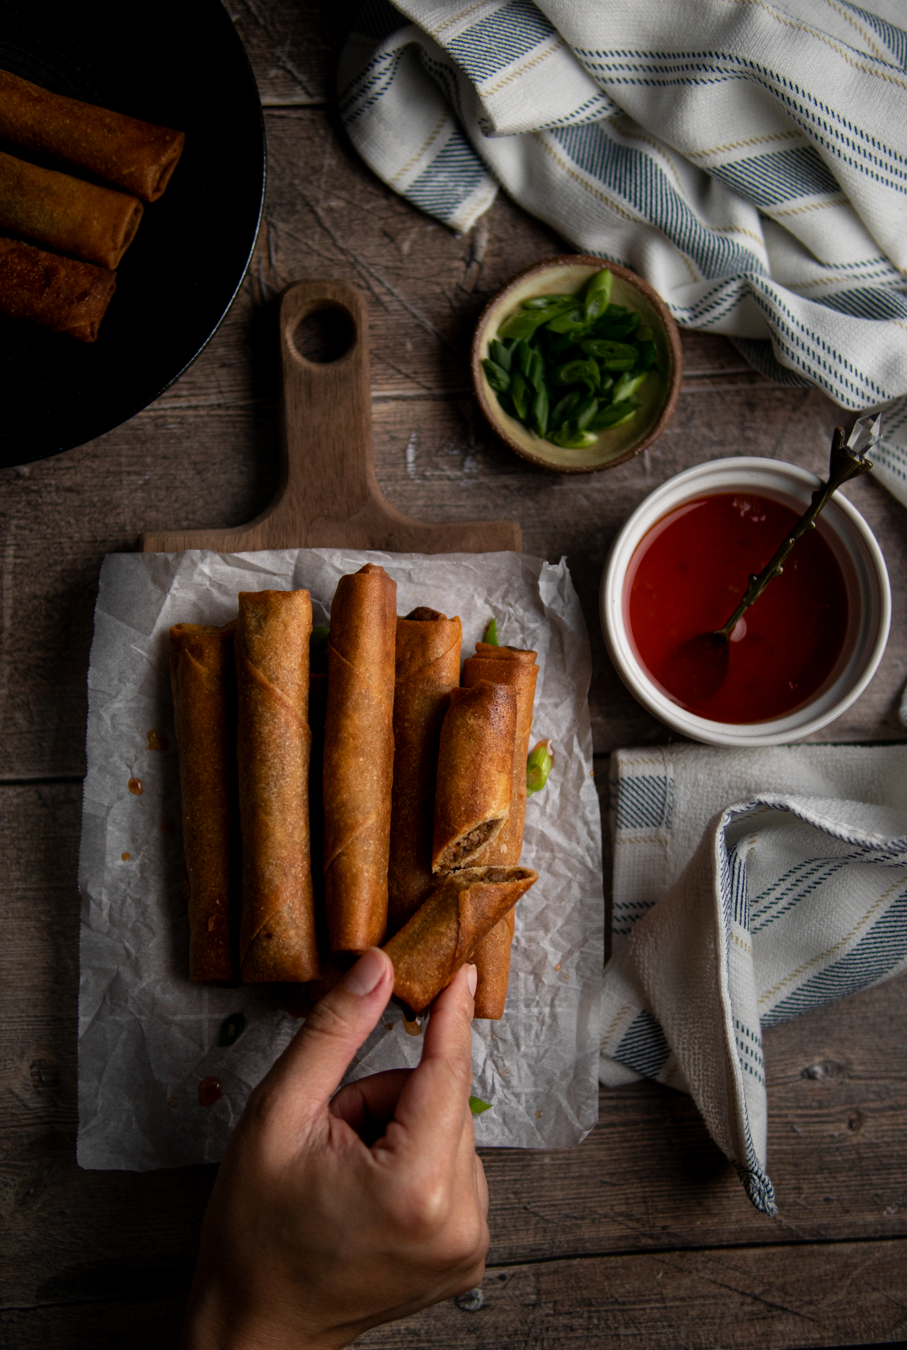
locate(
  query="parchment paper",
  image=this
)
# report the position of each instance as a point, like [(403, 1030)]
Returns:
[(147, 1036)]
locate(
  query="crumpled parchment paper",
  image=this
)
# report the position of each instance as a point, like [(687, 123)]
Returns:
[(147, 1036)]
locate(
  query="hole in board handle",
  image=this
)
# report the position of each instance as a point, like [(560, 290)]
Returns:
[(325, 334)]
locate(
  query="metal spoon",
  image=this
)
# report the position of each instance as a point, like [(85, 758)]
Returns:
[(696, 670)]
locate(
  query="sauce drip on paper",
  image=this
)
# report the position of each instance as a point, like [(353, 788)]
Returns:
[(209, 1091), (686, 578)]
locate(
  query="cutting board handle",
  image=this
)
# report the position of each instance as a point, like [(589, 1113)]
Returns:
[(328, 495)]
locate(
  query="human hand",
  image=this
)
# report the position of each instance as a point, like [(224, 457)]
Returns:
[(329, 1217)]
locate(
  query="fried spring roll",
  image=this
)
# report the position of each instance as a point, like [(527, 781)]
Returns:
[(516, 668), (137, 156), (204, 704), (427, 669), (359, 758), (61, 294), (94, 223), (443, 933), (475, 773), (277, 933)]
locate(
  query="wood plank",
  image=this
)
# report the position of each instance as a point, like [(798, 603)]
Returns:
[(647, 1177), (292, 49), (752, 1298)]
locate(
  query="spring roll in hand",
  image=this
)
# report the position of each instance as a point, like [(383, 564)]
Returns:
[(204, 703), (514, 667), (475, 773), (277, 933), (359, 758), (443, 933), (427, 669)]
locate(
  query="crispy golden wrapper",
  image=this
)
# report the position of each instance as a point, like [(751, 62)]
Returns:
[(444, 932), (359, 758), (277, 932)]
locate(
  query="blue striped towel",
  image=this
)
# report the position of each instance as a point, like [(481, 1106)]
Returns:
[(749, 886), (749, 160)]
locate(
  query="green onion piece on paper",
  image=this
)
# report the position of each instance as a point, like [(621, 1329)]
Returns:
[(538, 767), (231, 1029), (491, 633), (477, 1106)]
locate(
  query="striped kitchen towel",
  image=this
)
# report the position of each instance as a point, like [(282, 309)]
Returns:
[(749, 886), (748, 159)]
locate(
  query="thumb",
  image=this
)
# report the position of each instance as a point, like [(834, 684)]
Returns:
[(310, 1069)]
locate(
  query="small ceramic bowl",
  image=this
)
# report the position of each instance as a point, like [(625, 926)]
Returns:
[(658, 396), (865, 578)]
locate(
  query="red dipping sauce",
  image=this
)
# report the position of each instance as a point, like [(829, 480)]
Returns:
[(688, 575)]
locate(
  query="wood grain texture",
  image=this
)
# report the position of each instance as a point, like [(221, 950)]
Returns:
[(327, 494)]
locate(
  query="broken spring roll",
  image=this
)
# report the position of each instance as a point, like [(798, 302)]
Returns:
[(443, 933), (204, 704), (61, 294), (515, 667), (427, 669), (137, 156), (475, 773), (94, 223), (359, 758), (277, 934)]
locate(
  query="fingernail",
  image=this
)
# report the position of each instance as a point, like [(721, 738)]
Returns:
[(366, 974), (472, 979)]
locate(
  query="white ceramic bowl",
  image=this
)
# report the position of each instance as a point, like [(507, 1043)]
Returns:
[(861, 562)]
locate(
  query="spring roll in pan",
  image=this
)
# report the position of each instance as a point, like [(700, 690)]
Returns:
[(475, 773), (514, 667), (359, 758), (277, 932), (94, 223), (61, 294), (443, 933), (204, 703), (134, 155), (427, 669)]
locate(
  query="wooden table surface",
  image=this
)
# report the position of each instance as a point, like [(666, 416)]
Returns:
[(642, 1235)]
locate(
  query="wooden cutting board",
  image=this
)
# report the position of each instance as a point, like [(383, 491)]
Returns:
[(328, 495)]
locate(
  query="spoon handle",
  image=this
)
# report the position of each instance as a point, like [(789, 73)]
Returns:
[(842, 467)]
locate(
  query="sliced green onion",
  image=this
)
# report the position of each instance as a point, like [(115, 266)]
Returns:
[(499, 354), (568, 321), (231, 1029), (496, 375), (318, 639), (648, 354), (573, 440), (519, 392), (491, 633), (540, 407), (477, 1106), (597, 295), (524, 323), (546, 301), (627, 385), (535, 369), (584, 412), (563, 409), (538, 767), (615, 415), (578, 372)]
